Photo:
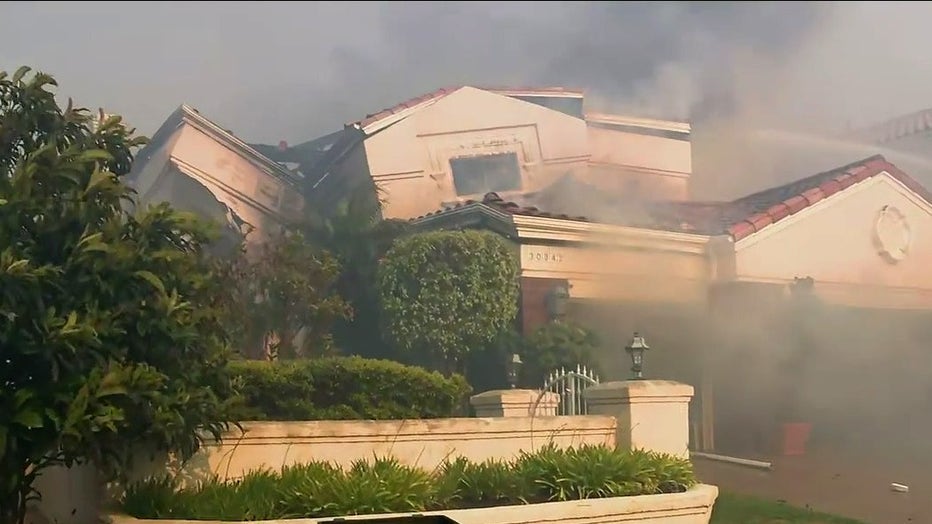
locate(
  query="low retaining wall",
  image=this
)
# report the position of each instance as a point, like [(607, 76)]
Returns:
[(423, 443), (691, 507), (74, 495)]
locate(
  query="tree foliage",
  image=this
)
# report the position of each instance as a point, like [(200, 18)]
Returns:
[(557, 344), (286, 294), (445, 293), (358, 237), (110, 334)]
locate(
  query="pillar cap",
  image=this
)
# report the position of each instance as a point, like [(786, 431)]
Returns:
[(634, 389), (509, 396)]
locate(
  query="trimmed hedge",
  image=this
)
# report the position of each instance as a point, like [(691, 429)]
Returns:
[(345, 388), (383, 485)]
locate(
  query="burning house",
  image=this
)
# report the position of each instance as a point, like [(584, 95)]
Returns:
[(599, 208)]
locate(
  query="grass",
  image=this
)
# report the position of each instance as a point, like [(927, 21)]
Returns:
[(739, 509), (384, 485)]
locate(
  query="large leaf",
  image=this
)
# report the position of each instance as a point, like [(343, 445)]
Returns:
[(151, 278), (28, 418)]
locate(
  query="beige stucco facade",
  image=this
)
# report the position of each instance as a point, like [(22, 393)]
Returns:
[(839, 242), (191, 159), (691, 507), (836, 241), (409, 152)]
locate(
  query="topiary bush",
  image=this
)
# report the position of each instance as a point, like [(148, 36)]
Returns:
[(445, 293), (384, 485), (345, 388)]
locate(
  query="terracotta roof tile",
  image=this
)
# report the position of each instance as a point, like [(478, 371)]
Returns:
[(796, 196), (738, 218), (496, 202)]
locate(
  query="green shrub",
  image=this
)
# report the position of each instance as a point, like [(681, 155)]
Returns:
[(345, 388), (556, 345), (446, 293), (386, 486)]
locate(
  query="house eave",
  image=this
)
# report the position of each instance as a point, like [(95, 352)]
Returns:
[(575, 231), (191, 117)]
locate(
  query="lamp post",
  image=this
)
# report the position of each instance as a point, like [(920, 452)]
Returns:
[(636, 349), (556, 302), (513, 366)]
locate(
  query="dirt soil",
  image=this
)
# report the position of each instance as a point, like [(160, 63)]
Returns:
[(854, 484)]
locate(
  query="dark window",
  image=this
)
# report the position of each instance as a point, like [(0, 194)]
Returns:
[(481, 174)]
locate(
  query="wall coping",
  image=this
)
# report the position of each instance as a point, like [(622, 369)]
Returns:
[(261, 430), (509, 397), (693, 506), (639, 390)]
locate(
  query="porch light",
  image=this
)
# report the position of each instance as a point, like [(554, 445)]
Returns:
[(556, 302), (514, 365), (636, 349)]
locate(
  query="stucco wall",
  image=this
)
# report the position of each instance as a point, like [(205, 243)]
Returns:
[(425, 443), (249, 190), (691, 507), (411, 159), (659, 166), (621, 273), (834, 242), (74, 496)]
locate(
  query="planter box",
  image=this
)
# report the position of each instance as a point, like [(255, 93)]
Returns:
[(691, 507)]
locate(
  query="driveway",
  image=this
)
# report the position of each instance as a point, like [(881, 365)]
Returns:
[(850, 484)]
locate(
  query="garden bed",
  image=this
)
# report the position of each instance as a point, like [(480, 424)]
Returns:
[(571, 482)]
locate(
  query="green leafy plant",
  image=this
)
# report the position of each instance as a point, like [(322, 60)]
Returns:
[(355, 233), (289, 301), (444, 293), (558, 344), (110, 333), (384, 485), (338, 388)]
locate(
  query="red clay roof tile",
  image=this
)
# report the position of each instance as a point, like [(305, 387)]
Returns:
[(744, 216)]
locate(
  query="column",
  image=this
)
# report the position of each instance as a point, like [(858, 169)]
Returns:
[(652, 414)]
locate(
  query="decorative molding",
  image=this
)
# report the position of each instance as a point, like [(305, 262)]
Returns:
[(892, 234), (563, 230), (193, 118)]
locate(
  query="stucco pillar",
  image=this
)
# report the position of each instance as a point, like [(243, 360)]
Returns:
[(514, 403), (651, 414)]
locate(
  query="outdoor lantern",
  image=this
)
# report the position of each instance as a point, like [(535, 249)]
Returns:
[(636, 349), (513, 366), (556, 302)]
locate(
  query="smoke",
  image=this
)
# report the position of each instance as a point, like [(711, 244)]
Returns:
[(296, 71), (673, 60)]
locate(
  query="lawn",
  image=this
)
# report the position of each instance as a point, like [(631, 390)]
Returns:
[(740, 509)]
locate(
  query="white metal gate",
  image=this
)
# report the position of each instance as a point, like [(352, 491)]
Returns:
[(570, 386)]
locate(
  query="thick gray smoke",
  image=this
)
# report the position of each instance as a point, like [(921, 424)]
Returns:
[(294, 71), (676, 60)]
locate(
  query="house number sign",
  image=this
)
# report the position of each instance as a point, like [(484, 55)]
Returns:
[(543, 256)]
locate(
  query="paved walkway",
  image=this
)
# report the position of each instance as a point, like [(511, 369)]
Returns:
[(846, 484)]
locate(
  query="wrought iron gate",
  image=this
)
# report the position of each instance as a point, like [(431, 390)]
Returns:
[(570, 386)]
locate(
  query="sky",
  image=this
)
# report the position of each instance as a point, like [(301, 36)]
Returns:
[(293, 71)]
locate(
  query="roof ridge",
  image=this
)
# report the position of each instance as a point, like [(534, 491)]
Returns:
[(738, 218), (437, 94), (846, 167)]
